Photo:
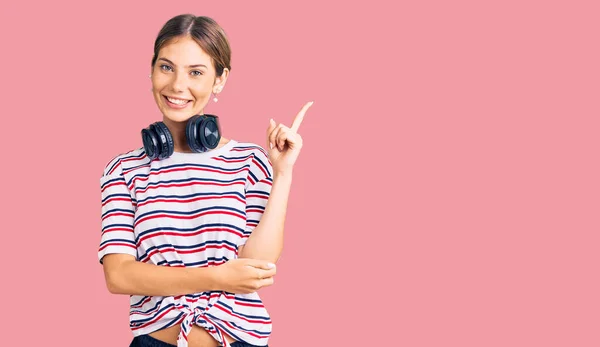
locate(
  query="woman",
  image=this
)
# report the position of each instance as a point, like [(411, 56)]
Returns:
[(192, 222)]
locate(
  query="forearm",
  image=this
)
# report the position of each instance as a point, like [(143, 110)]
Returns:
[(136, 278), (266, 240)]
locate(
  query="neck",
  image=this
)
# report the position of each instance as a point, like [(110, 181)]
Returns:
[(177, 130)]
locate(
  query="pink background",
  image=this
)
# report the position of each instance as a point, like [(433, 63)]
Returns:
[(447, 193)]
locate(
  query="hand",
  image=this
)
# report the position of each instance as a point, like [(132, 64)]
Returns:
[(244, 276), (284, 143)]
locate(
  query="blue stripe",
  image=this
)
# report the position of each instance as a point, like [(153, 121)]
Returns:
[(263, 165), (185, 180), (243, 315), (179, 247), (139, 322), (236, 158), (254, 178), (139, 302), (261, 192), (172, 322), (190, 196), (262, 207), (110, 196), (198, 263), (188, 165), (118, 210), (116, 240), (139, 311), (145, 164), (108, 226), (112, 180), (117, 162), (237, 326)]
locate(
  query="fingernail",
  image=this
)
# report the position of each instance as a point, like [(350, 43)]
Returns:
[(270, 265), (271, 145)]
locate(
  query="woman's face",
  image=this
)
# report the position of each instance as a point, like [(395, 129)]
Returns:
[(183, 78)]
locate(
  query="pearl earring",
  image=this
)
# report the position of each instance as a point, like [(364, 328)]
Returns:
[(215, 98)]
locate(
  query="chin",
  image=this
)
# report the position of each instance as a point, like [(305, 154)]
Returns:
[(178, 117)]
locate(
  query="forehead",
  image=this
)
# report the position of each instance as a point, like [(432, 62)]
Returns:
[(184, 51)]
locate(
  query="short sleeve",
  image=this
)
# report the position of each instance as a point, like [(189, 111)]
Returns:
[(260, 181), (118, 211)]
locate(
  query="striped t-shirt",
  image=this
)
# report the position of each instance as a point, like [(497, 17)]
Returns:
[(192, 210)]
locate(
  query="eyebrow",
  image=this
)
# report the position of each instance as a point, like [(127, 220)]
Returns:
[(170, 62)]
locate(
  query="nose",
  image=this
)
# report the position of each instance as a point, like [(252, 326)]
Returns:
[(179, 82)]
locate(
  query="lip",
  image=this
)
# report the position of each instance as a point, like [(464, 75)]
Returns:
[(176, 106)]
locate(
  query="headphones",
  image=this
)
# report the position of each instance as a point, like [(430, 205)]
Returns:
[(203, 133)]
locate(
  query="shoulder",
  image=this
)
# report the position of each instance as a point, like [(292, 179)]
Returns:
[(249, 148), (122, 161), (260, 165)]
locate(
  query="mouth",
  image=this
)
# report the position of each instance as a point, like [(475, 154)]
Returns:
[(176, 103)]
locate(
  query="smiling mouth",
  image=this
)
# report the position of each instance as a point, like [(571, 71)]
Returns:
[(176, 102)]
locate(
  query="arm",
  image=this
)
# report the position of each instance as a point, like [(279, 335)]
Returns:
[(266, 240), (125, 275)]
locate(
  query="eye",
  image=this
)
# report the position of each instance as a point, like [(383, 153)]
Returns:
[(165, 67), (196, 73)]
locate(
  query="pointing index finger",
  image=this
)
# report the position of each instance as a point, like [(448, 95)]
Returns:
[(300, 117)]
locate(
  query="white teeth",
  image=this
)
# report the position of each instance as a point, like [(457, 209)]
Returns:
[(177, 101)]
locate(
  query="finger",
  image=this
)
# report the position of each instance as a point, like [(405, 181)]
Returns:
[(260, 264), (283, 135), (272, 126), (262, 274), (274, 133), (300, 117), (266, 282)]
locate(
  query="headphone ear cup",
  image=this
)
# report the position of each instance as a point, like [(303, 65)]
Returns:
[(210, 133), (150, 141), (192, 132), (165, 140)]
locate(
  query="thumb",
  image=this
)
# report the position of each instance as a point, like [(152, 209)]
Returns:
[(272, 126)]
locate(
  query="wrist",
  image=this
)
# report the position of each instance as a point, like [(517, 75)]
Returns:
[(208, 278), (286, 174)]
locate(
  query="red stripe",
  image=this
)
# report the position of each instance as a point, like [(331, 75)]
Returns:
[(117, 183), (240, 317), (115, 167), (143, 302), (248, 304), (260, 167), (115, 199), (116, 244), (165, 215), (128, 171), (255, 210), (258, 196), (155, 319), (116, 214), (200, 231), (109, 230), (245, 332), (187, 251), (193, 168), (189, 184), (232, 160), (184, 201)]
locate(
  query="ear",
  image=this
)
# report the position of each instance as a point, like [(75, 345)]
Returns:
[(220, 81)]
